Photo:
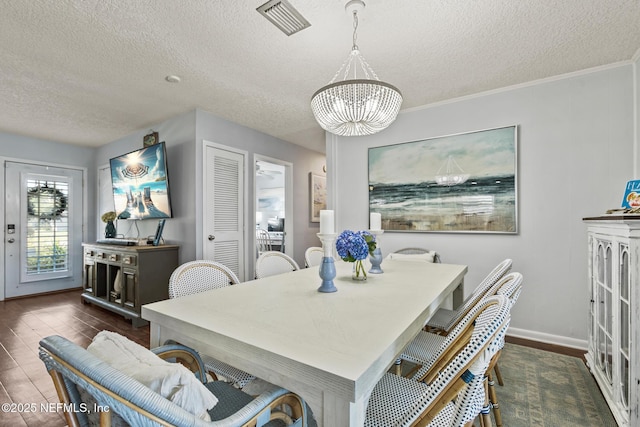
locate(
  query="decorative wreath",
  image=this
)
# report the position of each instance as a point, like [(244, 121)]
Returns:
[(57, 202)]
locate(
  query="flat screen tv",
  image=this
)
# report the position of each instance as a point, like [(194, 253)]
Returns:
[(141, 184)]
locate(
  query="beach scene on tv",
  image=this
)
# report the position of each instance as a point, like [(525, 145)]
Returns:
[(140, 185)]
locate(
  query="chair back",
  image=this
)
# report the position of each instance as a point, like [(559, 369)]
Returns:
[(263, 241), (273, 262), (464, 375), (480, 291), (509, 286), (313, 256), (200, 276), (418, 251), (454, 341), (471, 399)]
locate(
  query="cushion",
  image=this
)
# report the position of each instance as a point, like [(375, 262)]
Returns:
[(426, 257), (172, 381)]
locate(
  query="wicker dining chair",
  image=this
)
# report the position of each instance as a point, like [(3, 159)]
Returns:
[(263, 241), (85, 380), (417, 251), (444, 320), (313, 256), (273, 262), (200, 276), (429, 349), (456, 394)]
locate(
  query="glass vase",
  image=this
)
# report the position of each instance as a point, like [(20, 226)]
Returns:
[(359, 273)]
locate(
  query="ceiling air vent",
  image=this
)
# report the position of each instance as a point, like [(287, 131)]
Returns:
[(283, 16)]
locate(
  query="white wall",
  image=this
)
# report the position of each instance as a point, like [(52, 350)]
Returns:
[(178, 133), (575, 151)]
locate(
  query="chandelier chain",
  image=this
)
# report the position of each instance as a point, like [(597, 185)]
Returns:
[(355, 30), (347, 68), (367, 68)]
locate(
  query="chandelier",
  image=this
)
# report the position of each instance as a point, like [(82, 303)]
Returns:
[(356, 105)]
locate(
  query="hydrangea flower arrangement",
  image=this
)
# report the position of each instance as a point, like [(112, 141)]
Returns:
[(355, 246)]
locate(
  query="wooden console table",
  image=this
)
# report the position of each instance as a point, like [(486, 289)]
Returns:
[(123, 278)]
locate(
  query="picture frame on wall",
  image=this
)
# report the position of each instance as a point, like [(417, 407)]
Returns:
[(317, 196), (150, 139), (465, 182)]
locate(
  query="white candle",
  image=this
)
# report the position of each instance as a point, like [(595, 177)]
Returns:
[(326, 222), (375, 220)]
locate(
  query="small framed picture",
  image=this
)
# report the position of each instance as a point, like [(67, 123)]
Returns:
[(150, 139), (318, 196)]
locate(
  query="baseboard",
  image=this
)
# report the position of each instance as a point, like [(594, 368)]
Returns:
[(548, 338)]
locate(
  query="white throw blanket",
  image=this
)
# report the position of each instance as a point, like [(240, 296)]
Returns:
[(171, 380)]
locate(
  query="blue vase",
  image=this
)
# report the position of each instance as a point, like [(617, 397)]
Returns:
[(376, 260), (327, 274), (110, 230)]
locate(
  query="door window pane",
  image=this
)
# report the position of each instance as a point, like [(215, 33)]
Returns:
[(47, 227)]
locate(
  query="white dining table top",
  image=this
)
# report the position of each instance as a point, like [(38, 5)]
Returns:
[(281, 329)]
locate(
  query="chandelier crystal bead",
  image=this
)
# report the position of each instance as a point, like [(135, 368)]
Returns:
[(356, 105)]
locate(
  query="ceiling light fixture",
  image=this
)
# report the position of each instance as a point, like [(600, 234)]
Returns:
[(356, 105)]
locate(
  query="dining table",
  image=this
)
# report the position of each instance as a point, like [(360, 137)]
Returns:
[(329, 348)]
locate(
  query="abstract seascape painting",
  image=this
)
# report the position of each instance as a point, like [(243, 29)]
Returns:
[(457, 183)]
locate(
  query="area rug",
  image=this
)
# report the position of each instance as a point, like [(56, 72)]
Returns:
[(544, 389)]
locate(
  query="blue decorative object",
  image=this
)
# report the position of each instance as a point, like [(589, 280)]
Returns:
[(376, 256), (327, 274), (376, 260)]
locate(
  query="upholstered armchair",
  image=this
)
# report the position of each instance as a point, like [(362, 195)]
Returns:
[(91, 387)]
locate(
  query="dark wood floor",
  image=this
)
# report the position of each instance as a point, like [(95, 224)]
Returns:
[(23, 322)]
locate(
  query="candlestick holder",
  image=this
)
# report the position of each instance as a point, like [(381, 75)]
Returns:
[(376, 257), (327, 270)]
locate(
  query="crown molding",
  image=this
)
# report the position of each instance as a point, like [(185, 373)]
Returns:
[(523, 85)]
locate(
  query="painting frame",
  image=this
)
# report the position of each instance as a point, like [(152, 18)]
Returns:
[(317, 196), (150, 139), (459, 183)]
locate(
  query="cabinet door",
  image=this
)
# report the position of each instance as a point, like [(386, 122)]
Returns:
[(129, 288), (604, 326), (623, 321), (88, 277)]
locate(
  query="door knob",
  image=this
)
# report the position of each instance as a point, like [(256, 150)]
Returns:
[(211, 237), (11, 240)]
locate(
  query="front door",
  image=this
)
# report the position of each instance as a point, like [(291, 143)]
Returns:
[(43, 235), (224, 208)]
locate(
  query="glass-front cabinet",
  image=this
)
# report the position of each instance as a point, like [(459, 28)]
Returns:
[(614, 251)]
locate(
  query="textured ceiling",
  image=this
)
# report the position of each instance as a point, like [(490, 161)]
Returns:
[(88, 72)]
